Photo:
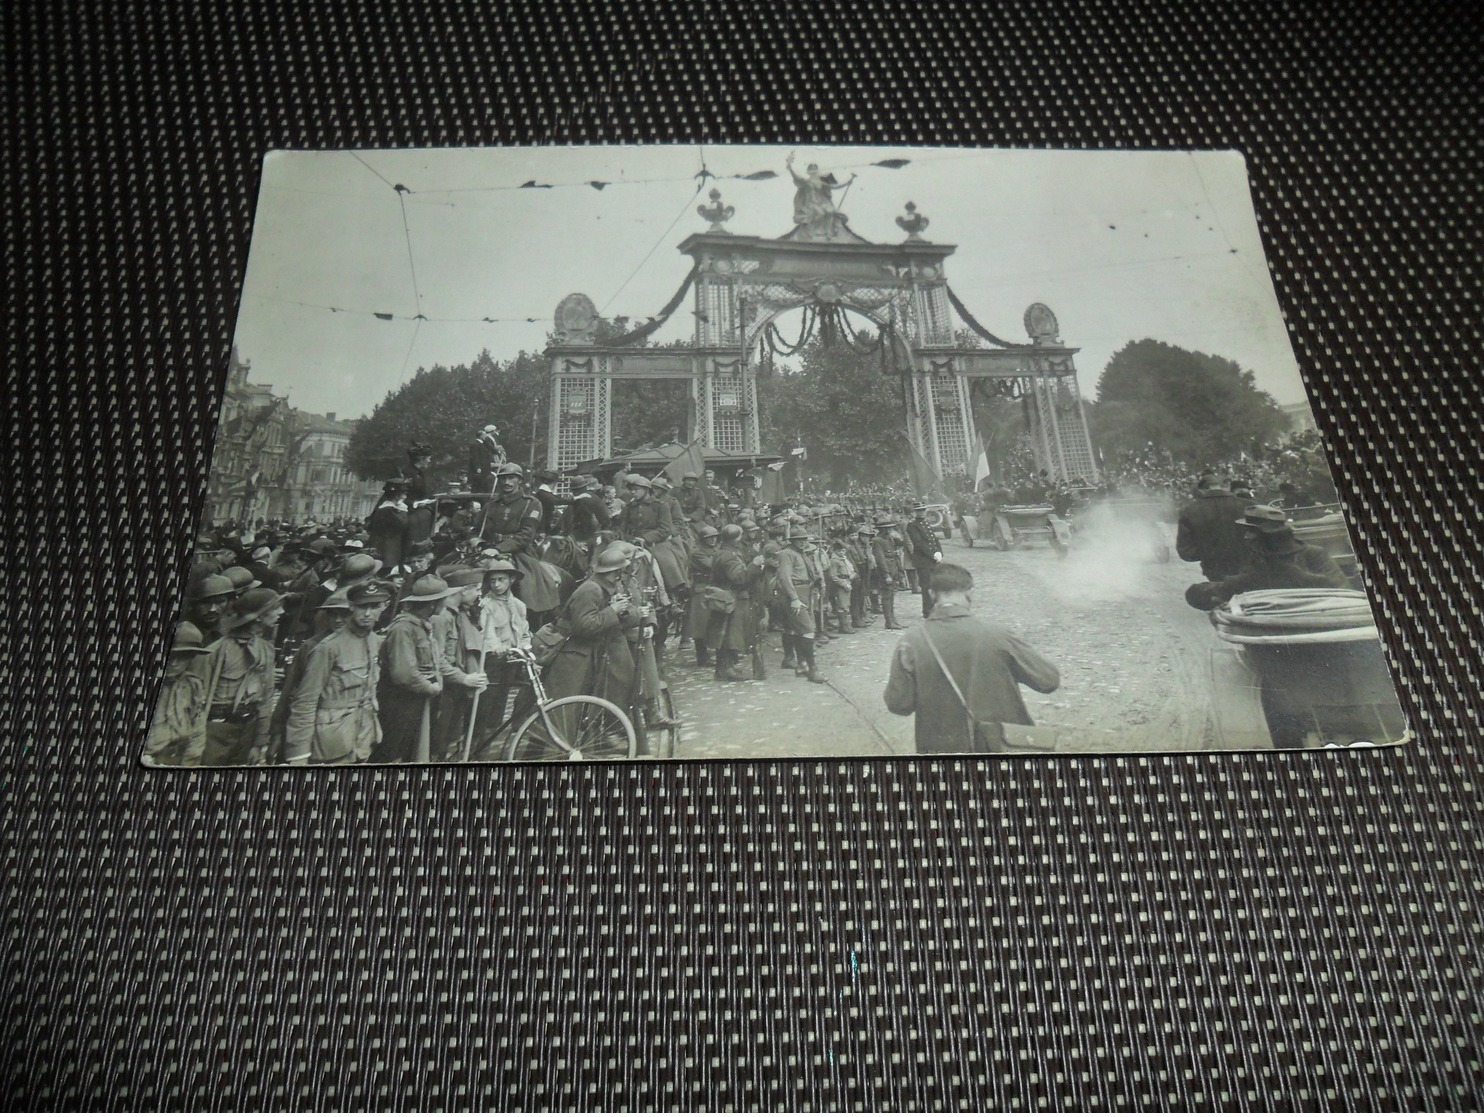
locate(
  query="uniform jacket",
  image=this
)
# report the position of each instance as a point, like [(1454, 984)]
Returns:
[(648, 520), (596, 658), (179, 724), (989, 663), (1208, 533), (886, 562), (923, 544), (242, 666), (411, 660), (333, 714), (552, 507), (458, 634), (512, 523), (795, 579)]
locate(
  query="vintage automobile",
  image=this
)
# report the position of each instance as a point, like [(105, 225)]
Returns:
[(1014, 524), (1301, 668)]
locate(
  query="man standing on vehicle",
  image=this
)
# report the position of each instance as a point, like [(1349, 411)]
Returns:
[(925, 552), (985, 665)]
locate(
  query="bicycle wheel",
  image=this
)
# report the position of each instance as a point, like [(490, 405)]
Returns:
[(580, 727)]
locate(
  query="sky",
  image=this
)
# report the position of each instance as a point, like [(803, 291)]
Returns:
[(1121, 245)]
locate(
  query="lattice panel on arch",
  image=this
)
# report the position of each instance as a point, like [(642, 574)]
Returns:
[(577, 419), (1076, 446), (953, 442), (729, 398)]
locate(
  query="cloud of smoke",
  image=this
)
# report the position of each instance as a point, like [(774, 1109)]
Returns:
[(1114, 557)]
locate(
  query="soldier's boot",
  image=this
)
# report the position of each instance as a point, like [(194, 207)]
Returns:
[(789, 662), (725, 659), (703, 656), (812, 672)]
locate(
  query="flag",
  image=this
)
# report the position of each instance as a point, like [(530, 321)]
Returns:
[(691, 460), (771, 489), (976, 465), (924, 477)]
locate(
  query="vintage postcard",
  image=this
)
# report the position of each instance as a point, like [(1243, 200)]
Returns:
[(718, 453)]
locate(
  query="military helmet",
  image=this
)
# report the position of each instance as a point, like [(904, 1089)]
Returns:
[(612, 559), (731, 533), (510, 469), (706, 531)]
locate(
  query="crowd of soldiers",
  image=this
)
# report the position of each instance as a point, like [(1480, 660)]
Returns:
[(412, 636)]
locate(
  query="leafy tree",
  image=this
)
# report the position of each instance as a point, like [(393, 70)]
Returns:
[(1199, 408), (848, 415), (444, 408)]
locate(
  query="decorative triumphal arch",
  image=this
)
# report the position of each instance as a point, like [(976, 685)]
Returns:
[(738, 286)]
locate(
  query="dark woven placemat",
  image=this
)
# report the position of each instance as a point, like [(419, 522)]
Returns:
[(1190, 931)]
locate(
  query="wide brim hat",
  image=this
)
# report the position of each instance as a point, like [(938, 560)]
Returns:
[(241, 579), (461, 577), (358, 566), (639, 480), (340, 599), (212, 586), (1264, 517), (500, 565), (429, 587), (188, 641), (251, 606)]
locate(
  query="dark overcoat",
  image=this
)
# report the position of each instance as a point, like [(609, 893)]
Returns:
[(596, 659)]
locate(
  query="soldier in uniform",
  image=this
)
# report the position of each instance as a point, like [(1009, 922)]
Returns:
[(204, 607), (731, 634), (596, 659), (796, 590), (332, 718), (646, 522), (886, 570), (698, 619), (177, 732), (411, 676), (512, 522), (330, 617), (241, 682), (858, 547), (456, 629), (926, 552), (839, 575), (692, 498)]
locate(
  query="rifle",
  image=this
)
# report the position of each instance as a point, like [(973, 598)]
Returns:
[(484, 623), (754, 644)]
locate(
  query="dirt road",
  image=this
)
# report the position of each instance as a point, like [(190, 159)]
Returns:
[(1133, 658)]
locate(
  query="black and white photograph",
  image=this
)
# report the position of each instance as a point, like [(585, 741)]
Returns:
[(706, 453)]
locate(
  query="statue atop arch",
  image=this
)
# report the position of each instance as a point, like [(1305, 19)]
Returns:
[(815, 215)]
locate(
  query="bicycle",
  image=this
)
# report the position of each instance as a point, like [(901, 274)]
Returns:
[(578, 727)]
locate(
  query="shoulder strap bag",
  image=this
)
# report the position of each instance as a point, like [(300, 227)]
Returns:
[(987, 736)]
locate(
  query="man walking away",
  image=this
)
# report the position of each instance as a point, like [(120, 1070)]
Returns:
[(988, 664)]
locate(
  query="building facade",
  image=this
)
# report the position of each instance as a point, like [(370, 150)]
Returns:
[(274, 462)]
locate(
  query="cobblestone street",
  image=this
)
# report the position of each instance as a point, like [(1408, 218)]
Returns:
[(1134, 660)]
